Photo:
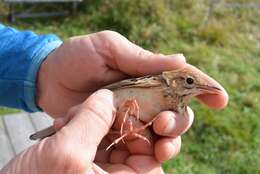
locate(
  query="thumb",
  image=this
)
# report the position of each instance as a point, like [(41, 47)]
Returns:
[(91, 121)]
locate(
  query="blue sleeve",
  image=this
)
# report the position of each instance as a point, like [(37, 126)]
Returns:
[(21, 54)]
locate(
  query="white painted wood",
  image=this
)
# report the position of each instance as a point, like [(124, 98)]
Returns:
[(41, 120), (19, 128), (6, 151)]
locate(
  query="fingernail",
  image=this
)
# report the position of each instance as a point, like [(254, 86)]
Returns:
[(180, 57), (170, 126), (176, 143), (103, 92), (172, 145), (58, 123), (178, 61)]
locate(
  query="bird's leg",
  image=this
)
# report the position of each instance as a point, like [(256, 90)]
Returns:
[(126, 115), (130, 132), (116, 141), (135, 109), (134, 131), (141, 137), (132, 109), (127, 129), (146, 125)]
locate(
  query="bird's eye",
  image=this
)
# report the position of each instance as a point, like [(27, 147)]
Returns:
[(189, 81)]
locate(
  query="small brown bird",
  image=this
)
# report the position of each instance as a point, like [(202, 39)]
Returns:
[(145, 97)]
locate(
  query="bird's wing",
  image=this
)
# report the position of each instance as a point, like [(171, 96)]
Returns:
[(141, 82)]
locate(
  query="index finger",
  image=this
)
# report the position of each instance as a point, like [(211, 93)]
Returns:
[(134, 60)]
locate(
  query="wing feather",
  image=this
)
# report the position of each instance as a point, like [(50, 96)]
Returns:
[(140, 82)]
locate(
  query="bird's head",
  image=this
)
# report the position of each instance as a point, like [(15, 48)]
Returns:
[(190, 81)]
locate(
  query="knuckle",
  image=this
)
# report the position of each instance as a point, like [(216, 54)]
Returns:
[(108, 35), (108, 39), (109, 32)]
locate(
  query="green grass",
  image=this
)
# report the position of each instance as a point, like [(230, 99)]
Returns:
[(228, 49), (7, 111)]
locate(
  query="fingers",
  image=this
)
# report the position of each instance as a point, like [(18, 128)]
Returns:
[(215, 101), (141, 164), (97, 170), (118, 156), (167, 148), (140, 146), (119, 169), (134, 60), (172, 124), (144, 164)]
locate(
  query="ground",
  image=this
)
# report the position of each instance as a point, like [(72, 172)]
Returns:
[(228, 49)]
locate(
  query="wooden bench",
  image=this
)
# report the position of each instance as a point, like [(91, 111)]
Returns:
[(227, 4), (29, 12), (15, 130)]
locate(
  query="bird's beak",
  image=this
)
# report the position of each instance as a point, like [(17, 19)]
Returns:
[(205, 89)]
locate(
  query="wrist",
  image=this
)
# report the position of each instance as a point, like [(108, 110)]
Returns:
[(43, 80), (42, 77)]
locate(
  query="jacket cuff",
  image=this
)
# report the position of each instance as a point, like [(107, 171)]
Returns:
[(30, 82)]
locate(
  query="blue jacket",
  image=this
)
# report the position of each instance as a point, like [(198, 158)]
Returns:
[(21, 54)]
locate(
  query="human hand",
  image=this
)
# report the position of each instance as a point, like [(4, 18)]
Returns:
[(136, 156), (77, 147), (84, 64)]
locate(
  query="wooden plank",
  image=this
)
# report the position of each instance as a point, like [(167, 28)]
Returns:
[(42, 14), (6, 150), (41, 120), (19, 127)]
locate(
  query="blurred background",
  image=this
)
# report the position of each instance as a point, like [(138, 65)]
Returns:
[(220, 37)]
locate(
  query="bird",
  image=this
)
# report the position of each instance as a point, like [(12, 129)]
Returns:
[(142, 98)]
